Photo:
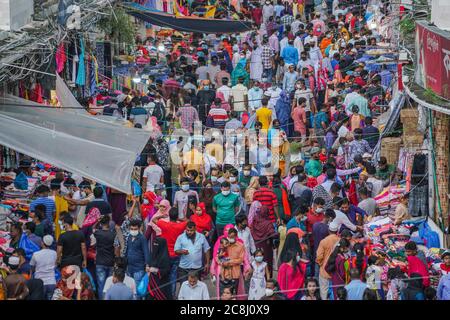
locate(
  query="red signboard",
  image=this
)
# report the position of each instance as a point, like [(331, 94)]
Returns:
[(433, 59)]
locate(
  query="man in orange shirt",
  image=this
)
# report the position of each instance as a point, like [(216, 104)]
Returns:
[(324, 251), (235, 251)]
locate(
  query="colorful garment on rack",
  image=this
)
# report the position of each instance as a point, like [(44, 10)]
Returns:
[(61, 58), (81, 76)]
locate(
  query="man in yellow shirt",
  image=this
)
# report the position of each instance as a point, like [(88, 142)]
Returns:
[(193, 160), (264, 114)]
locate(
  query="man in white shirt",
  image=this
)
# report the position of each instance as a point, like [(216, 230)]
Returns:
[(239, 94), (153, 174), (377, 184), (43, 263), (244, 234), (298, 44), (274, 94), (295, 26), (255, 95), (284, 42), (193, 289), (225, 89), (128, 281)]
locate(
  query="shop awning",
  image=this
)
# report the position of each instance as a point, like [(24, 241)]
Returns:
[(81, 144), (187, 24)]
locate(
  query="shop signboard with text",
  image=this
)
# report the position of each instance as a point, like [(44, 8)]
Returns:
[(433, 59)]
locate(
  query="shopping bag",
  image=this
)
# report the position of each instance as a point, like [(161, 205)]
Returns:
[(91, 279), (29, 246), (137, 190), (142, 288)]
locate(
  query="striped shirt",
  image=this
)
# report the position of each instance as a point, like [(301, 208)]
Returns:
[(267, 198), (49, 206), (219, 117)]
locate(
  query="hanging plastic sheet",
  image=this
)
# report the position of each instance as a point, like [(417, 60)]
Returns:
[(93, 148), (395, 106)]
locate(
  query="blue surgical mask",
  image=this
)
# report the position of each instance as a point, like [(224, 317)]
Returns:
[(185, 187), (206, 87)]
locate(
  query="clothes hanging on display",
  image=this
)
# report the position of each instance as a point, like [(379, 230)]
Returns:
[(60, 58), (81, 76)]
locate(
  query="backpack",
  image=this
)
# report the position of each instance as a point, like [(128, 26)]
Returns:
[(159, 112)]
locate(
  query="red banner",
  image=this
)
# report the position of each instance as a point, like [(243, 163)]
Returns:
[(433, 59)]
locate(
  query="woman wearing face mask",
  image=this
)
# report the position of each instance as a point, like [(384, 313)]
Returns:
[(206, 196), (263, 233), (202, 220), (250, 190), (291, 276), (338, 266), (260, 272), (162, 213), (148, 205)]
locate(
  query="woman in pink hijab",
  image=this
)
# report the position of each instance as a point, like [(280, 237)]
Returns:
[(215, 267), (163, 213)]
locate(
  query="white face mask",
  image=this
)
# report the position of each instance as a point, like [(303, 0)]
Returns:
[(185, 187), (237, 193), (232, 179), (83, 194), (319, 210), (231, 240), (246, 173), (298, 258), (225, 192), (213, 179), (269, 292), (145, 201), (259, 258), (134, 233)]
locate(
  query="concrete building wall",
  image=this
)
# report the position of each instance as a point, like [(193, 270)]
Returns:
[(14, 14), (442, 144)]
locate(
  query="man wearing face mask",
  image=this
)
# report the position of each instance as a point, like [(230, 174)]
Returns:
[(315, 214), (255, 95), (314, 166), (87, 196), (236, 254), (299, 220), (137, 252), (225, 205), (181, 197), (272, 291), (192, 246)]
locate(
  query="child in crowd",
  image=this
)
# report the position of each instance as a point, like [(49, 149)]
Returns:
[(260, 272), (312, 290)]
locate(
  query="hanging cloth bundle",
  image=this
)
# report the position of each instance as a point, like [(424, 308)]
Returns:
[(81, 76), (60, 58)]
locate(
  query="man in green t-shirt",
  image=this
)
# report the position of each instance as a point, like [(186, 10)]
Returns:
[(226, 205), (385, 170), (314, 166)]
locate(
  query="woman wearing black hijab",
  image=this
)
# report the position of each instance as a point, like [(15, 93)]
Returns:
[(158, 284), (291, 243)]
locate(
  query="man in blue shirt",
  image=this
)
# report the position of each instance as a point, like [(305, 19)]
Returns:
[(137, 252), (42, 192), (192, 246), (119, 290), (299, 220), (290, 53), (355, 289)]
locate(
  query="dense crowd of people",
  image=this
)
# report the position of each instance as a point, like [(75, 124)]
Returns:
[(257, 181)]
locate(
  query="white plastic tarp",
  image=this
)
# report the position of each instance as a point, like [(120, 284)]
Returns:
[(81, 144)]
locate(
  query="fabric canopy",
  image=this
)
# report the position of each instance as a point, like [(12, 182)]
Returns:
[(187, 24), (81, 144)]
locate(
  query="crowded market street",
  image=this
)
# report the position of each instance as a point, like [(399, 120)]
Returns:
[(224, 150)]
